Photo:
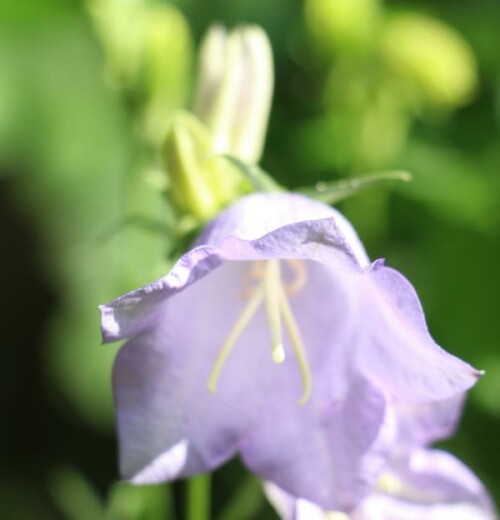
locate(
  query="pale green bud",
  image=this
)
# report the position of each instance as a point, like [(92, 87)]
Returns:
[(342, 24), (234, 90), (432, 57), (122, 40), (166, 63), (201, 183), (148, 52)]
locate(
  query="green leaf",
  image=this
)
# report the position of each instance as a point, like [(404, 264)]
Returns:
[(74, 496), (333, 192), (131, 502), (454, 185)]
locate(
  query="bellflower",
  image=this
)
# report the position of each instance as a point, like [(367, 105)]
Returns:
[(417, 483), (274, 337), (428, 484)]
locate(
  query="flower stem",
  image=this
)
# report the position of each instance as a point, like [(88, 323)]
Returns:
[(198, 498)]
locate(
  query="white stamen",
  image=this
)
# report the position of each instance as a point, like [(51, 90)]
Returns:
[(273, 294), (298, 346)]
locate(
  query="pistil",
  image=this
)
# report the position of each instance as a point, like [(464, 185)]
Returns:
[(273, 290)]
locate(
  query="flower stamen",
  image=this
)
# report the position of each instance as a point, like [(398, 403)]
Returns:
[(240, 325), (272, 293), (298, 346), (254, 274), (300, 279)]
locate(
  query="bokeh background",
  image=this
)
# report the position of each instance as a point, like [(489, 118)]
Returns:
[(86, 92)]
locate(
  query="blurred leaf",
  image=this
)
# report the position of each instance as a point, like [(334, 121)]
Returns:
[(82, 174), (487, 391), (343, 25), (336, 191), (21, 498), (246, 502), (452, 185), (432, 57), (132, 502), (74, 496)]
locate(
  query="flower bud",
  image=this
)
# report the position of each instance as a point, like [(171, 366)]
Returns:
[(148, 53), (342, 24), (166, 62), (201, 183), (432, 57), (234, 90)]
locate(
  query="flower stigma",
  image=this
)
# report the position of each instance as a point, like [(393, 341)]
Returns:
[(273, 293)]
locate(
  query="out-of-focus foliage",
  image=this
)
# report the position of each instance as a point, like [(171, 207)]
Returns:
[(434, 60), (343, 26), (87, 91), (136, 36), (86, 175)]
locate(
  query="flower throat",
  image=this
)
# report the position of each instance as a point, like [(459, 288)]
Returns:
[(272, 294)]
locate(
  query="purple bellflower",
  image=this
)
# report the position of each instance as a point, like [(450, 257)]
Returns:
[(426, 485), (417, 483), (274, 337)]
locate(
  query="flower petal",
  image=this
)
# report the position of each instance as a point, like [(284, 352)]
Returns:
[(435, 476), (290, 508), (135, 311), (429, 484), (396, 349), (289, 226), (255, 216), (385, 508), (336, 461), (421, 424), (160, 381)]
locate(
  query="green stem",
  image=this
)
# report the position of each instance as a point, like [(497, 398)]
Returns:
[(246, 502), (198, 498)]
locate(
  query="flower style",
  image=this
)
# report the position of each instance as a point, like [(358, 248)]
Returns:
[(274, 337), (416, 484)]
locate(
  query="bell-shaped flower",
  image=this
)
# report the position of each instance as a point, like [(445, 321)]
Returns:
[(276, 339), (428, 484), (416, 483)]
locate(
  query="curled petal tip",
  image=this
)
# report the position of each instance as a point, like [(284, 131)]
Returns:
[(109, 326), (379, 263)]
